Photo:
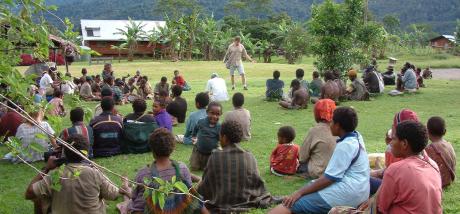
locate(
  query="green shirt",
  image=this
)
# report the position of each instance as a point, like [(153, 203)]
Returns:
[(207, 136)]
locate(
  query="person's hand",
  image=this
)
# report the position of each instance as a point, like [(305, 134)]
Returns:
[(290, 200), (51, 163), (363, 206)]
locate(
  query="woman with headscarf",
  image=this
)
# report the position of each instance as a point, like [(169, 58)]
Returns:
[(319, 144), (377, 175)]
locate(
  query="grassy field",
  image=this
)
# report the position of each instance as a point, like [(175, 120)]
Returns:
[(375, 118)]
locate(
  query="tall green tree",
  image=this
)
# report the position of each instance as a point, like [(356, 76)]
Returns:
[(391, 24), (133, 32), (249, 8), (333, 27), (175, 9)]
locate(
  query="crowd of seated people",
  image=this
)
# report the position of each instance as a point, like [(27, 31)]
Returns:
[(333, 152)]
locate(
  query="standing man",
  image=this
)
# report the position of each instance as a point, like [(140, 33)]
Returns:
[(233, 60)]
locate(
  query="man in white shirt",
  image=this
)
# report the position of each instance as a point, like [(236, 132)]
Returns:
[(45, 82), (217, 88)]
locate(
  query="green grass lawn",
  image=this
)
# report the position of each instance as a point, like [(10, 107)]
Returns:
[(375, 118)]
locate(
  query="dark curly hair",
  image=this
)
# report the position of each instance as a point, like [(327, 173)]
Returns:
[(176, 90), (346, 117), (436, 126), (162, 142), (202, 99), (232, 130), (139, 105), (415, 133), (287, 132)]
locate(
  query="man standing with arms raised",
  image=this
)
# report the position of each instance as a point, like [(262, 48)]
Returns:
[(233, 60)]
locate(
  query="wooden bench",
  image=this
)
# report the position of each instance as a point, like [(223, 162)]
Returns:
[(100, 59)]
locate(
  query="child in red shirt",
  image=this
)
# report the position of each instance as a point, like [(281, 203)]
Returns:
[(284, 159)]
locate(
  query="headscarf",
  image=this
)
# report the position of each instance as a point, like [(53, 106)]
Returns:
[(404, 115), (324, 109)]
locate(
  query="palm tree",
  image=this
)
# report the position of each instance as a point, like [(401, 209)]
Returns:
[(133, 33), (154, 39), (119, 48)]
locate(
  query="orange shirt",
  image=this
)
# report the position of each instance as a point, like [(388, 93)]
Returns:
[(285, 158)]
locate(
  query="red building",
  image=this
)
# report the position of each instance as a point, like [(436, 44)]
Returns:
[(101, 35), (443, 42)]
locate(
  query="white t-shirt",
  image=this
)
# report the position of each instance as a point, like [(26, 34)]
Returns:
[(45, 81), (68, 87), (217, 89)]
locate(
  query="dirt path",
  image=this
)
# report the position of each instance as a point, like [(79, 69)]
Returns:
[(446, 74)]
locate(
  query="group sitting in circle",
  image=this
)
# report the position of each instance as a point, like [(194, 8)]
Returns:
[(333, 151)]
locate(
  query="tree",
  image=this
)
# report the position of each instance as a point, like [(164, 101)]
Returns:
[(333, 28), (119, 49), (293, 39), (175, 9), (371, 38), (249, 8), (391, 24), (133, 32)]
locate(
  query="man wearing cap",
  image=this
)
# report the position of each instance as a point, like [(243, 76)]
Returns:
[(217, 88), (233, 60)]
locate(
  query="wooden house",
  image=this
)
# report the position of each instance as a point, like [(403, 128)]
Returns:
[(100, 35), (443, 42)]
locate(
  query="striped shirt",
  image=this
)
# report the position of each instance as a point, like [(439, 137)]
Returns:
[(231, 181)]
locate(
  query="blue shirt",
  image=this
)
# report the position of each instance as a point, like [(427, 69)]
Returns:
[(351, 181), (191, 123), (274, 87), (409, 79)]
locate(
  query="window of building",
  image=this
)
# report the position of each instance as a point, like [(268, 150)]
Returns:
[(93, 32)]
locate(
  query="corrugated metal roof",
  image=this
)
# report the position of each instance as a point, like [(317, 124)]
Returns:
[(106, 30), (449, 37)]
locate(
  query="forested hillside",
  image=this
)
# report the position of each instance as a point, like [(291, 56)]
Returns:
[(440, 14)]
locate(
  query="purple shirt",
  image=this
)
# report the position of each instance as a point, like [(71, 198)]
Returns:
[(164, 120)]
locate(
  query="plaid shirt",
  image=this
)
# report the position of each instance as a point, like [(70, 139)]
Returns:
[(27, 133)]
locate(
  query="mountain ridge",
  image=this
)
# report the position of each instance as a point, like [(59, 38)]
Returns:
[(441, 14)]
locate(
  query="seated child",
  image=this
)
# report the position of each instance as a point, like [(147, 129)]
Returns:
[(162, 143), (440, 150), (316, 84), (300, 97), (285, 157), (274, 87), (162, 85), (206, 137), (162, 117), (57, 104), (180, 81), (201, 102), (240, 115)]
